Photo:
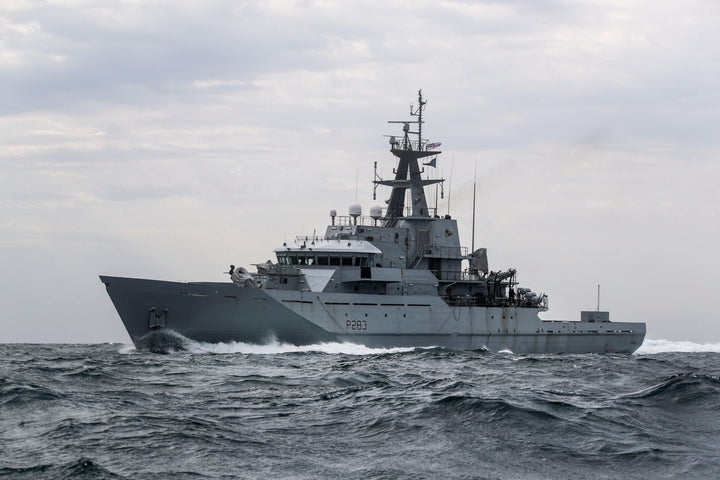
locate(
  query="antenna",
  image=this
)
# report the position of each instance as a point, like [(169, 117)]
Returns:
[(452, 167), (473, 222), (356, 184), (436, 197), (375, 177), (598, 309), (421, 106)]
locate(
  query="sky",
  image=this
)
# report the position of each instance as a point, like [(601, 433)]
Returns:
[(168, 140)]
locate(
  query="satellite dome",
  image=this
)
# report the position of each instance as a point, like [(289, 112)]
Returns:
[(355, 211), (376, 212)]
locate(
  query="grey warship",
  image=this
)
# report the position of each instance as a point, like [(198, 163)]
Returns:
[(396, 278)]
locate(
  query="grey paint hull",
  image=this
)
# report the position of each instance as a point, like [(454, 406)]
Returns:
[(223, 312)]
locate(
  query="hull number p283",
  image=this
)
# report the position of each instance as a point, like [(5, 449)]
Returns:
[(356, 324)]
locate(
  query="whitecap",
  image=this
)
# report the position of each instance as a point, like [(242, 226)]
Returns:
[(651, 346), (126, 348)]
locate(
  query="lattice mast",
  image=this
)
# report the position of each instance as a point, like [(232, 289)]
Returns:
[(408, 172)]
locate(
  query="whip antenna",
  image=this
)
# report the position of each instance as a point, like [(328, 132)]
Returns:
[(473, 215)]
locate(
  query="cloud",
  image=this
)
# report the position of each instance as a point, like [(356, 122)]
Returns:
[(148, 139)]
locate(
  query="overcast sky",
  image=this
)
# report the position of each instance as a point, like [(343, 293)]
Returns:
[(169, 139)]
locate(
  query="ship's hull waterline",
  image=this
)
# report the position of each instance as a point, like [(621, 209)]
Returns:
[(224, 312)]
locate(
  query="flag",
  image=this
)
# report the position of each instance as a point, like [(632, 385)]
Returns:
[(431, 163), (430, 146)]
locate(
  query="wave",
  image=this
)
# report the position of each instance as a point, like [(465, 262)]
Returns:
[(126, 348), (650, 347), (493, 409), (685, 388), (19, 394), (171, 341), (82, 468)]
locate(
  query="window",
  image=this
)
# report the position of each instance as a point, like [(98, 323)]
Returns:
[(365, 272), (334, 260), (361, 261), (347, 261), (322, 260)]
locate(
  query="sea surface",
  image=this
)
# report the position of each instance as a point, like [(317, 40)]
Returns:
[(227, 411)]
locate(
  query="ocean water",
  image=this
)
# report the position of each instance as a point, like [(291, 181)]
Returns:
[(230, 411)]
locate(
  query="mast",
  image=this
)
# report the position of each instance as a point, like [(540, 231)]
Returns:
[(408, 173), (419, 112)]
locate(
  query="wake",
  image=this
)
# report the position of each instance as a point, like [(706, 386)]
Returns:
[(171, 342), (275, 347)]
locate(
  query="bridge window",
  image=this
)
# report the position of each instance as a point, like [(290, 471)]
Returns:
[(345, 260), (301, 260)]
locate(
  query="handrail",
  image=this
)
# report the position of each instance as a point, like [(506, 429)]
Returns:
[(364, 220)]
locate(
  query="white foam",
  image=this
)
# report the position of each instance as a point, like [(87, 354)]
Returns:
[(274, 347), (650, 347), (125, 349)]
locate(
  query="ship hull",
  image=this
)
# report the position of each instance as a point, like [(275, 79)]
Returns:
[(223, 312)]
